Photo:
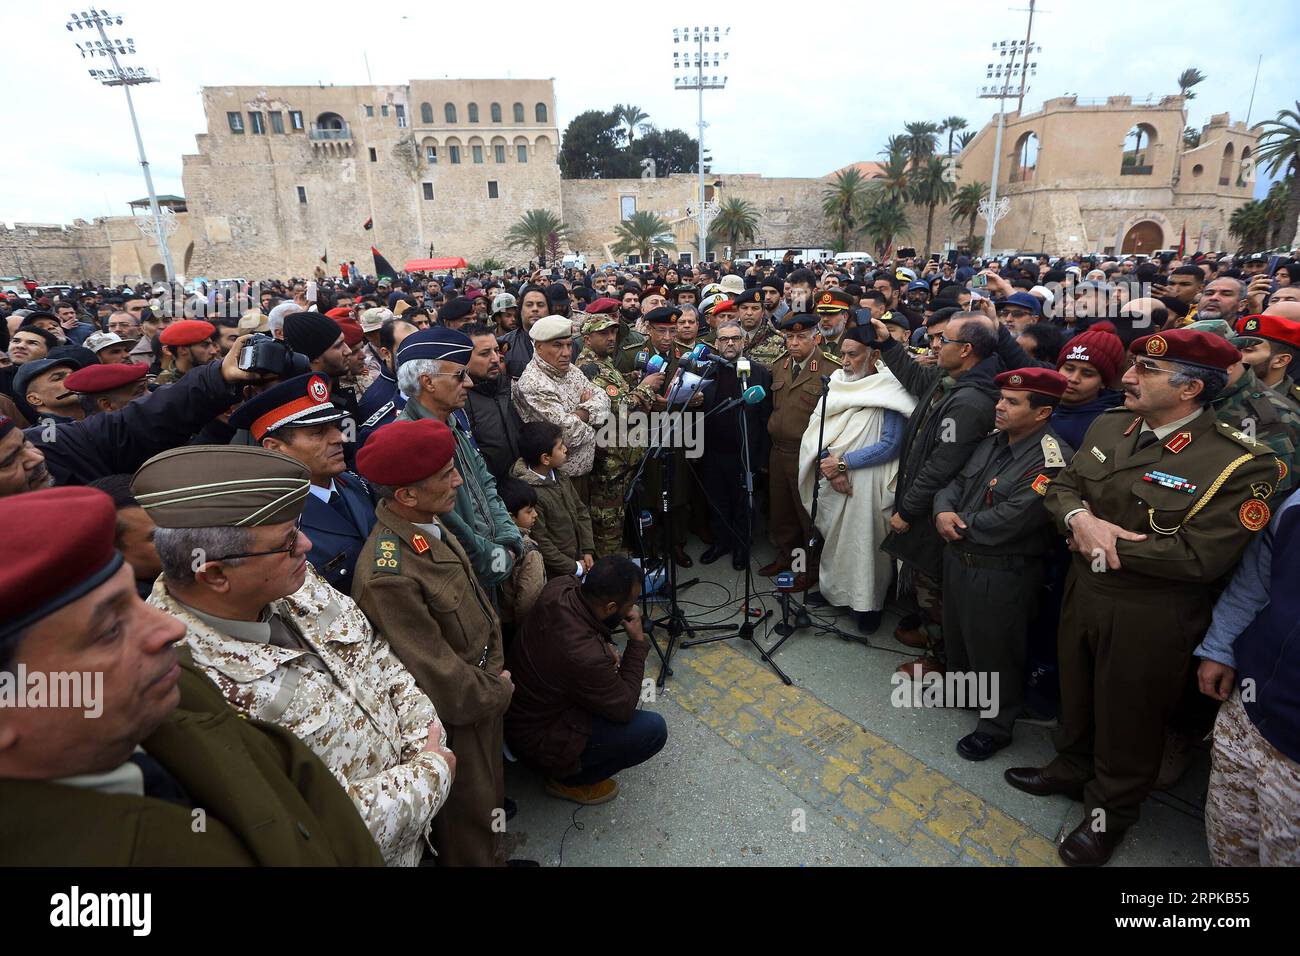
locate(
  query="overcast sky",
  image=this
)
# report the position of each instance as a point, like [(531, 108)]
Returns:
[(805, 95)]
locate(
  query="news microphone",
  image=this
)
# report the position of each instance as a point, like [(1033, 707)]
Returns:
[(785, 581), (641, 358), (754, 394), (743, 367), (654, 364), (647, 520)]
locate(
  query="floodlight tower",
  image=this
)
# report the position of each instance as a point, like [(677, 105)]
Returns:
[(701, 58), (1005, 72)]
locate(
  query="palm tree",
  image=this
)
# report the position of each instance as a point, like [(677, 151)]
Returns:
[(895, 182), (534, 230), (966, 203), (922, 138), (842, 202), (736, 221), (953, 124), (1187, 79), (1191, 138), (1249, 223), (643, 234), (1275, 211), (1279, 151), (935, 186), (882, 222), (964, 139), (632, 117), (895, 144)]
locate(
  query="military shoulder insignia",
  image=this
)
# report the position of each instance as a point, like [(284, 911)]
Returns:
[(1261, 490), (1253, 514), (1052, 457), (1040, 484), (611, 391), (387, 554), (1098, 453), (832, 359), (420, 544), (374, 419), (1178, 442), (1242, 437), (1129, 431), (1282, 470)]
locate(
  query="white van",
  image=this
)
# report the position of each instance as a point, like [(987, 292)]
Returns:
[(849, 258)]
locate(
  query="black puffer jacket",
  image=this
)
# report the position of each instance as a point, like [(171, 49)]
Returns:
[(495, 425)]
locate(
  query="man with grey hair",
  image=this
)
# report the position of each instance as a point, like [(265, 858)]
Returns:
[(281, 644), (1222, 299), (432, 373)]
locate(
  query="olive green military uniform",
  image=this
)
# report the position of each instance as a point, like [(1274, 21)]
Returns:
[(420, 591), (1198, 492), (795, 393), (1264, 414), (267, 800), (614, 464), (766, 345), (992, 576)]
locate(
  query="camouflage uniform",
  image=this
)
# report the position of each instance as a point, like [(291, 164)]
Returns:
[(766, 345), (336, 684), (1268, 417), (1253, 803), (614, 464)]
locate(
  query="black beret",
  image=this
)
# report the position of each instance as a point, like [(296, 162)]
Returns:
[(798, 322), (864, 334), (310, 333), (455, 309), (749, 295), (664, 315)]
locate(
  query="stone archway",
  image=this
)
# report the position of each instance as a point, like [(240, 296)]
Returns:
[(157, 273), (1144, 237)]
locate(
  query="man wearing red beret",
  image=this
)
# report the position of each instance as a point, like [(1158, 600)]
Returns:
[(1158, 504), (1270, 345), (420, 591), (186, 345), (106, 388), (997, 531)]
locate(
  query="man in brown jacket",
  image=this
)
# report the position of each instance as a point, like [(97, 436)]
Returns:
[(574, 712), (417, 586)]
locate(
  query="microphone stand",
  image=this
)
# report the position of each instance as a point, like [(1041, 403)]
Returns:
[(747, 629), (801, 617)]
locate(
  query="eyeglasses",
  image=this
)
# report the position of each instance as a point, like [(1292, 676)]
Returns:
[(730, 338), (458, 375), (1144, 366), (292, 547), (947, 341)]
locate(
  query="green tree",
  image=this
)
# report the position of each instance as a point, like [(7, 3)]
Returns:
[(953, 124), (1275, 211), (735, 223), (591, 147), (643, 234), (631, 117), (966, 203), (534, 232), (842, 202), (935, 186), (882, 222), (672, 150), (964, 140), (1187, 79), (1249, 223), (1279, 152), (895, 182), (922, 139), (1191, 138)]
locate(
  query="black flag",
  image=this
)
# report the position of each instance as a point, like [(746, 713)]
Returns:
[(382, 269)]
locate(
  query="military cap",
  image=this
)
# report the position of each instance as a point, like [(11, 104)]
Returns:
[(1044, 381), (102, 340), (373, 319), (653, 290), (1270, 328), (892, 318), (798, 322), (406, 452), (551, 327), (920, 285), (714, 304), (254, 321), (30, 370), (834, 300), (78, 354), (473, 294), (711, 288), (904, 274), (864, 334), (677, 290), (603, 305), (294, 403), (664, 315), (1188, 346), (310, 333), (40, 571), (1218, 327), (772, 282), (221, 486), (97, 379), (453, 310), (188, 332), (598, 323), (438, 344), (748, 296)]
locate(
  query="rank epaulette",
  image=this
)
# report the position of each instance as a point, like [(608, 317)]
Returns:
[(388, 554)]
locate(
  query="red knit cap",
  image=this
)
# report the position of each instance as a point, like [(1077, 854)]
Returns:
[(1101, 349)]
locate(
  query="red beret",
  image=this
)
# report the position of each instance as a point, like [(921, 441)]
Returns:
[(94, 379), (1189, 346), (602, 306), (187, 332), (653, 290), (1044, 381), (48, 561), (1274, 328), (352, 333), (340, 312), (406, 452)]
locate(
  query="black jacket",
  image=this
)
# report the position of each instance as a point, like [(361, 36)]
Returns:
[(495, 425), (938, 442), (114, 443)]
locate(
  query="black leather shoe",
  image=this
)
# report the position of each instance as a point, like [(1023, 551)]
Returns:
[(978, 746), (1032, 781), (1087, 847), (868, 622), (739, 560), (681, 558), (713, 553)]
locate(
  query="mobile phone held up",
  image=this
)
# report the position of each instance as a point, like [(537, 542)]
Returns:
[(980, 281)]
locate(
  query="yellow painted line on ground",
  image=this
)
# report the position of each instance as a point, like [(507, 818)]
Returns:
[(866, 784)]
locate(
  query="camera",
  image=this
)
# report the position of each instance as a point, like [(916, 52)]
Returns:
[(270, 356)]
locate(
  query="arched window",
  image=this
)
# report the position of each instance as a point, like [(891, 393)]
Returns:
[(1246, 174), (1139, 157), (498, 149), (540, 112), (521, 149), (496, 112), (426, 114), (1225, 167), (1026, 158), (519, 112), (449, 112), (330, 121), (473, 112)]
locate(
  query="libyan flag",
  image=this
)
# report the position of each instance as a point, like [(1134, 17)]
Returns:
[(382, 268)]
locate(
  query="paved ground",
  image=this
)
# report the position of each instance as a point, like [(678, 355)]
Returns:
[(824, 773)]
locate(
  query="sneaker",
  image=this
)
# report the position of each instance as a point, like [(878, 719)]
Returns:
[(588, 794)]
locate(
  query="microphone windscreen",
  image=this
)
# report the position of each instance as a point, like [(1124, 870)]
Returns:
[(755, 394)]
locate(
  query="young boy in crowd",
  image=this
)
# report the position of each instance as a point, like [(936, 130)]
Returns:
[(563, 526), (519, 591)]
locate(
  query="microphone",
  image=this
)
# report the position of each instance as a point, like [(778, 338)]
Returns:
[(743, 367), (647, 520), (641, 358), (654, 364), (754, 394)]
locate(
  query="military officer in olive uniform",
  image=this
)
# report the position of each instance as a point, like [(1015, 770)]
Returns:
[(418, 588), (836, 311), (1158, 503), (615, 463), (997, 531), (763, 343), (796, 389)]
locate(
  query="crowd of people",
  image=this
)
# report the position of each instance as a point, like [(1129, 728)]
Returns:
[(396, 523)]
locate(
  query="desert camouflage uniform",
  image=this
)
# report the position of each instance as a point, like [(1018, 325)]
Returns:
[(346, 695), (1252, 809), (766, 345), (1267, 416), (614, 464), (541, 394)]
